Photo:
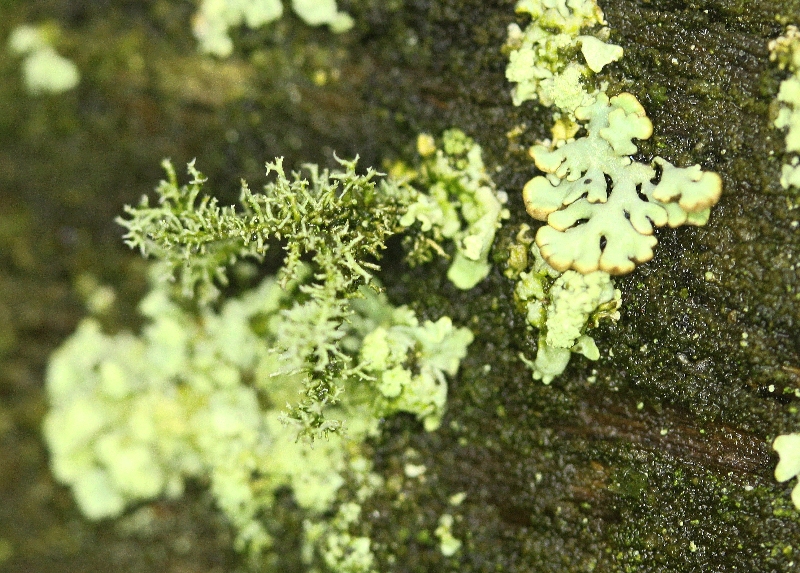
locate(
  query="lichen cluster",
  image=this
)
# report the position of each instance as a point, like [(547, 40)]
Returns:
[(599, 205), (562, 306), (788, 448), (594, 224), (438, 347), (786, 51), (542, 60), (214, 19), (339, 219), (202, 394), (457, 202)]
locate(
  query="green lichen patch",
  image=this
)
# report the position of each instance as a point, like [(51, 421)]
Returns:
[(786, 50), (542, 60), (593, 225), (132, 418), (458, 202), (788, 448), (215, 17), (563, 307)]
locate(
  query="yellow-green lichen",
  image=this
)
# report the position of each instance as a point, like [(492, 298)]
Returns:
[(215, 18), (600, 206), (43, 69), (200, 394), (458, 201), (786, 51), (563, 306), (448, 544), (788, 448), (539, 58)]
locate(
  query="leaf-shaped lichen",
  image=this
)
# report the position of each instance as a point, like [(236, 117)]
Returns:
[(601, 207)]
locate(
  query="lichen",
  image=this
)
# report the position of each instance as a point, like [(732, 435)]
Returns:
[(594, 224), (540, 59), (340, 550), (457, 201), (438, 348), (214, 19), (788, 448), (338, 218), (133, 417), (43, 69), (563, 306), (448, 543), (601, 206), (199, 394), (786, 51)]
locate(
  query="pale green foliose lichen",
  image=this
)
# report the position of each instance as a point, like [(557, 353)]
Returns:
[(590, 227), (788, 448), (541, 58), (43, 69), (786, 51), (437, 348), (458, 202), (133, 417), (322, 12), (215, 18), (595, 225), (563, 306), (448, 543)]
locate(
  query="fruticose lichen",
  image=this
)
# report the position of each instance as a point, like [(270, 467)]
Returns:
[(786, 51), (339, 219), (201, 394)]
